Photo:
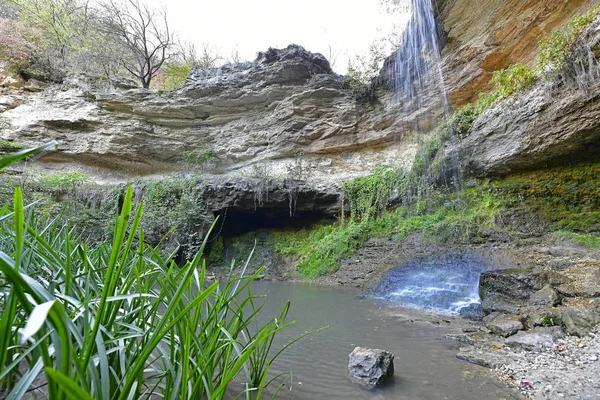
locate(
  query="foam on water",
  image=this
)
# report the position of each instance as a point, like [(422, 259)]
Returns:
[(444, 283)]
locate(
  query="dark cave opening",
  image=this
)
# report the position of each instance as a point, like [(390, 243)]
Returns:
[(235, 222)]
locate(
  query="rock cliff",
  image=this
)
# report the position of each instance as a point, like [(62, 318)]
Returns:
[(557, 122), (285, 103), (287, 113)]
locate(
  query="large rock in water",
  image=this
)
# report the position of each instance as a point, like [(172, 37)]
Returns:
[(370, 367)]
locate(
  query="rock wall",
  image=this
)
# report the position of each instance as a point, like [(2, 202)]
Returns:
[(485, 36), (285, 103), (557, 122), (288, 109)]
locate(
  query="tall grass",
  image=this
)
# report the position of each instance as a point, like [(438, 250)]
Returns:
[(122, 321)]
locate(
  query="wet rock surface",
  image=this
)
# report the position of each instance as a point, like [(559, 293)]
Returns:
[(370, 367)]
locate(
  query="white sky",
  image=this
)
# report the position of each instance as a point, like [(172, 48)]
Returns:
[(348, 26)]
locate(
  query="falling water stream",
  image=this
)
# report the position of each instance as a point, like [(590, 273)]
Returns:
[(415, 71), (445, 283)]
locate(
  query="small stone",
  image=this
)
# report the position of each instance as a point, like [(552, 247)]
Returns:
[(593, 358)]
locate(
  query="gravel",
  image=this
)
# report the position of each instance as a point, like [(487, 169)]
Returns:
[(569, 370)]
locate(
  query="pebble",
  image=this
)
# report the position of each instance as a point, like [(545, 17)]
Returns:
[(569, 370)]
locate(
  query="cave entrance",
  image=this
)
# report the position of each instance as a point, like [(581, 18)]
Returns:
[(235, 222)]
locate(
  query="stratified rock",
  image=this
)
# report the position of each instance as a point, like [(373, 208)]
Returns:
[(517, 284), (370, 367), (284, 109), (502, 324), (546, 296), (537, 339), (554, 123), (483, 39), (579, 322)]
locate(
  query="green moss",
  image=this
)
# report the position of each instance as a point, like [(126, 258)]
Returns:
[(568, 197)]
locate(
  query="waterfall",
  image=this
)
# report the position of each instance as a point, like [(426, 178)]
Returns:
[(448, 283), (414, 72)]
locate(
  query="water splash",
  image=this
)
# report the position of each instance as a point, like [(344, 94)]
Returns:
[(445, 284)]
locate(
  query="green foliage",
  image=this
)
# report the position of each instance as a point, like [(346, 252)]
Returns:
[(63, 181), (506, 82), (567, 197), (370, 195), (174, 203), (582, 239), (549, 320), (174, 76), (9, 147), (363, 92), (556, 46), (321, 249), (516, 78), (202, 158), (123, 321)]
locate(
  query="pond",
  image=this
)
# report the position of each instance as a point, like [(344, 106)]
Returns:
[(426, 366)]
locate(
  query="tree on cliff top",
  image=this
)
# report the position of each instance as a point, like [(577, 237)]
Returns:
[(145, 35)]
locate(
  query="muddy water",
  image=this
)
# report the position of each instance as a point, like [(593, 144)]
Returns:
[(425, 364)]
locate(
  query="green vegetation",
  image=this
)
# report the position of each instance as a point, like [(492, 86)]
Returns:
[(556, 46), (174, 76), (121, 320), (370, 195), (63, 181), (549, 320), (175, 204), (567, 198), (202, 158), (582, 239), (8, 146)]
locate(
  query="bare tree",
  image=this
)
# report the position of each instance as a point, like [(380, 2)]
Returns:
[(331, 54), (144, 33), (234, 56), (207, 57)]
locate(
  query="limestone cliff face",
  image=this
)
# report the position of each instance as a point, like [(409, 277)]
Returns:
[(557, 122), (287, 102), (485, 36)]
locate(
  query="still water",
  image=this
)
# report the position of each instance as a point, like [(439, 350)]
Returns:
[(426, 366)]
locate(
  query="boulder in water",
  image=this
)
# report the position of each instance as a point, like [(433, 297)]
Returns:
[(370, 367)]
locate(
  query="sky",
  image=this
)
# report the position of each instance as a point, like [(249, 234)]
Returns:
[(346, 26)]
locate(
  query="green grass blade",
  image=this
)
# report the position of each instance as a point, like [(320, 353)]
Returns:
[(11, 158), (68, 385)]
